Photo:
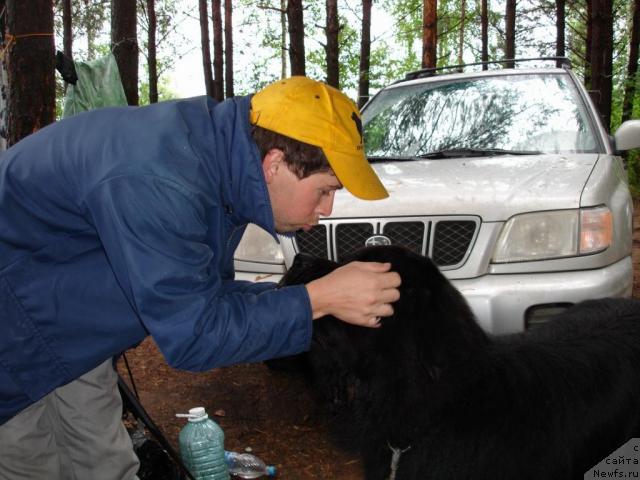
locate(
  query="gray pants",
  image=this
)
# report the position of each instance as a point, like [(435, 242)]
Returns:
[(74, 433)]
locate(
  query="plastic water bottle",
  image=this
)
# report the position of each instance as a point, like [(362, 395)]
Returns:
[(202, 446), (246, 465)]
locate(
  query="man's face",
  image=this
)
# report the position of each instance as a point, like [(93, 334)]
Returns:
[(297, 203)]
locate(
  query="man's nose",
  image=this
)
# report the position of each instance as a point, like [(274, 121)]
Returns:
[(325, 207)]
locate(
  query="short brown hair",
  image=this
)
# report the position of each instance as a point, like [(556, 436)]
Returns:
[(301, 158)]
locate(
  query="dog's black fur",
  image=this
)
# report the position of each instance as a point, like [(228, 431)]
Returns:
[(546, 404)]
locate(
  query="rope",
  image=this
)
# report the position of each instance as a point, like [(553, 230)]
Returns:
[(11, 39)]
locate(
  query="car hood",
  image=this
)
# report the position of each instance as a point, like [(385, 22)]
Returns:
[(494, 188)]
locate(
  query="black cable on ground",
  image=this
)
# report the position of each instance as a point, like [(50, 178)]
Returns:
[(138, 411)]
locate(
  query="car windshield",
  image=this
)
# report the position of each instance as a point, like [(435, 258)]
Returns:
[(499, 115)]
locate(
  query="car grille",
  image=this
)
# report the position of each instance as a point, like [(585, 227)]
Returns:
[(446, 240)]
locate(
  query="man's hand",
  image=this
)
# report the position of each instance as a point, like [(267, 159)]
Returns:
[(358, 293)]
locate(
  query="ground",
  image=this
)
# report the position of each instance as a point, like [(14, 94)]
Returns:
[(269, 412)]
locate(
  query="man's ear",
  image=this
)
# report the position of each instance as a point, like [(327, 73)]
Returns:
[(271, 163)]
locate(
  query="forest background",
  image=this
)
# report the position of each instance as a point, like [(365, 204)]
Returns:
[(358, 46), (241, 45)]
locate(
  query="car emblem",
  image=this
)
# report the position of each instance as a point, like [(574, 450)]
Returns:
[(377, 240)]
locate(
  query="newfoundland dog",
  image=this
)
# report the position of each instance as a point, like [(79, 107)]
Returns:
[(430, 395)]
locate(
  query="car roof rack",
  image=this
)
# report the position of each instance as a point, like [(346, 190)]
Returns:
[(428, 72)]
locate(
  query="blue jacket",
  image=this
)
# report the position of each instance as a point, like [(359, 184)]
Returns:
[(122, 222)]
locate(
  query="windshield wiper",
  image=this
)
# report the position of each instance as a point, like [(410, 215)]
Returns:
[(475, 152), (390, 159)]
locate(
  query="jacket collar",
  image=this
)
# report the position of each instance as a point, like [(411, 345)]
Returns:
[(244, 188)]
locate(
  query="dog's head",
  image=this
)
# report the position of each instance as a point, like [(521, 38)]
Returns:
[(428, 331)]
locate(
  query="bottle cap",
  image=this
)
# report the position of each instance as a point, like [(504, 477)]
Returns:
[(196, 414), (271, 471)]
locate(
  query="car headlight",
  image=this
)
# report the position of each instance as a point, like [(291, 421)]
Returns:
[(258, 246), (554, 234)]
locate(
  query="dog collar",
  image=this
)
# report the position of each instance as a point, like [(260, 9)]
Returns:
[(395, 459)]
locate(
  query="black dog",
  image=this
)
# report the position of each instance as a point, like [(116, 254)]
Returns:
[(430, 396)]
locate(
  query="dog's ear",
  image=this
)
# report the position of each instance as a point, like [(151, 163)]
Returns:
[(306, 268)]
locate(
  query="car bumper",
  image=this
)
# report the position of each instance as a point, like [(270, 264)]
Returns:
[(502, 303)]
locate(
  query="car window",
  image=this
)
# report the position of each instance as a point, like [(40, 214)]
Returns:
[(520, 113)]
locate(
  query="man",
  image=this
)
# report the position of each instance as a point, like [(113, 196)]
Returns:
[(121, 223)]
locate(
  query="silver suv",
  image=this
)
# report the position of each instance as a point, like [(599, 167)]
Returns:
[(505, 178)]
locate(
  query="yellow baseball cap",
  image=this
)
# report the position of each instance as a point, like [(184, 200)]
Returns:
[(320, 115)]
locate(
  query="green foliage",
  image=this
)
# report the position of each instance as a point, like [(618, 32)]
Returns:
[(622, 31), (349, 57), (91, 40), (632, 158), (60, 90), (260, 31), (633, 170), (90, 27), (165, 92), (258, 42), (168, 35), (576, 36), (385, 68), (407, 15), (623, 12)]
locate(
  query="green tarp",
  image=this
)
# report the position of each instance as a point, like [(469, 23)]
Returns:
[(98, 85)]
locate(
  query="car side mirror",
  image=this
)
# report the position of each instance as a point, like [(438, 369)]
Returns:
[(627, 137)]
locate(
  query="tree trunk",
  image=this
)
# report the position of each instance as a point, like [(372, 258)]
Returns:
[(31, 66), (151, 47), (295, 16), (601, 57), (124, 45), (587, 53), (67, 35), (206, 50), (218, 51), (429, 33), (332, 48), (510, 33), (560, 26), (283, 38), (4, 80), (484, 21), (365, 54), (228, 47), (632, 65), (463, 7)]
